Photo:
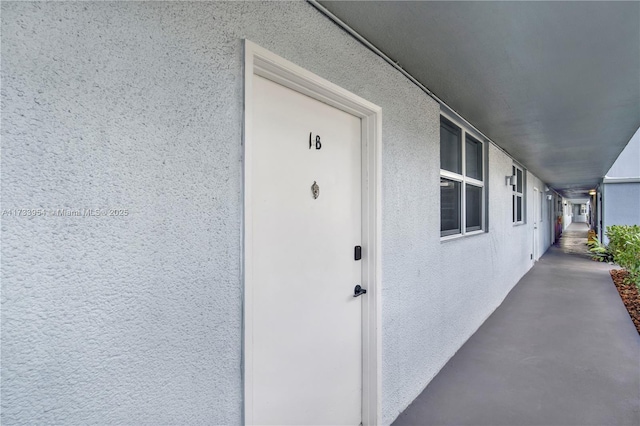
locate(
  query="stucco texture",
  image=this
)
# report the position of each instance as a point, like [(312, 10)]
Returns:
[(627, 165), (622, 199), (622, 204), (136, 319)]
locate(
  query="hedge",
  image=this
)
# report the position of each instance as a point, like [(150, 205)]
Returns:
[(624, 244)]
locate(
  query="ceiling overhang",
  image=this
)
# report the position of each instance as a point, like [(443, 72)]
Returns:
[(555, 84)]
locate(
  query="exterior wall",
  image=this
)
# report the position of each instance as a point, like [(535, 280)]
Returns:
[(621, 188), (577, 217), (622, 204), (138, 106), (557, 217), (567, 214), (593, 213), (600, 211), (628, 162)]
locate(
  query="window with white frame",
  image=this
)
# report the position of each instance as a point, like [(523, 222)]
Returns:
[(461, 180), (518, 195)]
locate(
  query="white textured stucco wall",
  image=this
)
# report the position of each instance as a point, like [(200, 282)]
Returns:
[(138, 106), (121, 320), (567, 221), (627, 165), (621, 200), (622, 204)]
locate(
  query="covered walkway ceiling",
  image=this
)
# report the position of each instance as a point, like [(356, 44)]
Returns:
[(556, 84)]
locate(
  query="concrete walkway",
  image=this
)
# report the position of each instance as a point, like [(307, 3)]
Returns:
[(574, 239), (560, 350)]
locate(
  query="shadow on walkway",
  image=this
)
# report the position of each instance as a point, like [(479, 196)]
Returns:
[(560, 350)]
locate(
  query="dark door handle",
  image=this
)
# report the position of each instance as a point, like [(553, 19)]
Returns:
[(359, 291)]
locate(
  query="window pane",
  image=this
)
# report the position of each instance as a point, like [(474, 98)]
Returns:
[(519, 187), (449, 207), (513, 208), (519, 208), (450, 155), (474, 207), (473, 161)]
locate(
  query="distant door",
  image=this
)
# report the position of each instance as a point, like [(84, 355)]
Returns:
[(536, 222), (305, 223), (552, 236)]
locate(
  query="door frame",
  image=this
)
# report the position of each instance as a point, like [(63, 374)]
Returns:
[(553, 218), (261, 62), (536, 223)]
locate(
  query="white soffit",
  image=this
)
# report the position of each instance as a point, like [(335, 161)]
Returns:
[(556, 84)]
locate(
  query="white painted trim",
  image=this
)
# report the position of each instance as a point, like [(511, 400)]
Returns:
[(474, 182), (519, 194), (451, 175), (259, 61), (461, 236), (621, 180), (464, 180), (536, 225)]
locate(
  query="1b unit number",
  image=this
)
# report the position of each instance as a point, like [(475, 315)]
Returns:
[(318, 144)]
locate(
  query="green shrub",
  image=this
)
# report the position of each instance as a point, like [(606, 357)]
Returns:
[(599, 251), (624, 244)]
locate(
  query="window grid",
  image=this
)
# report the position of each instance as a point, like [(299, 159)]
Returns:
[(518, 195), (465, 180)]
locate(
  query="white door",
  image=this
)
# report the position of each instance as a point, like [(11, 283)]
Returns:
[(536, 221), (307, 325)]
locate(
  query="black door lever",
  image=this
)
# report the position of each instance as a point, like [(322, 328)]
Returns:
[(359, 291)]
